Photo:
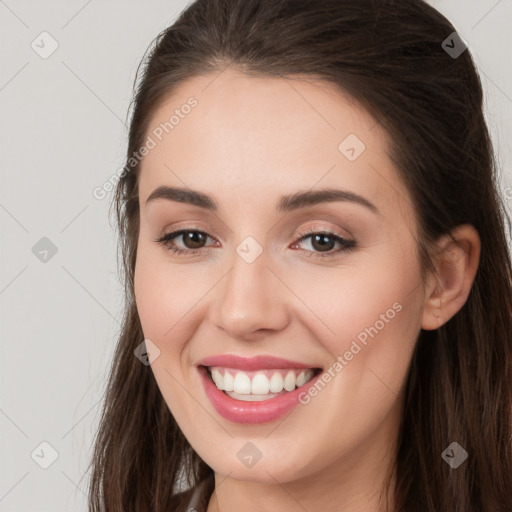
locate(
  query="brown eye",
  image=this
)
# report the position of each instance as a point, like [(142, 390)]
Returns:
[(193, 239), (322, 242)]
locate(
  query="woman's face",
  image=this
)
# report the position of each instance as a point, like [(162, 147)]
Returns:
[(260, 275)]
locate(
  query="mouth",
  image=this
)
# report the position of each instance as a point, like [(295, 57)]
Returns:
[(259, 385)]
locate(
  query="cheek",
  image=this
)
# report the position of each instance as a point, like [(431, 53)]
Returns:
[(152, 296), (378, 290), (163, 301), (164, 294), (369, 316), (171, 306), (369, 324)]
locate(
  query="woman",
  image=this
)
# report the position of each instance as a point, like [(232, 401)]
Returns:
[(318, 309)]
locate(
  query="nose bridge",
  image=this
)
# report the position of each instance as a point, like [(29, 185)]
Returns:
[(251, 298)]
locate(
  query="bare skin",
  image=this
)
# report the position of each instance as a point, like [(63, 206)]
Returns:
[(248, 142)]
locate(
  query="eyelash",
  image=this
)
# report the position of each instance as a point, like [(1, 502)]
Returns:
[(346, 245)]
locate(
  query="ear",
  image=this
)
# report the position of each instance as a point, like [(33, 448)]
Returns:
[(456, 264)]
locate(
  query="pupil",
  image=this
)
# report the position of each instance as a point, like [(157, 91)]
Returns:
[(195, 238), (323, 239)]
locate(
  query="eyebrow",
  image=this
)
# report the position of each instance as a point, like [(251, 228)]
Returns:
[(286, 203)]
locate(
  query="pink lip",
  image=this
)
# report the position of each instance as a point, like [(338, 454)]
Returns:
[(239, 411), (251, 363)]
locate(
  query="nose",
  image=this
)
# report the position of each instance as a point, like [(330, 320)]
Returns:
[(251, 302)]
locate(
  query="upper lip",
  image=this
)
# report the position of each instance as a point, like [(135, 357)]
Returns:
[(262, 362)]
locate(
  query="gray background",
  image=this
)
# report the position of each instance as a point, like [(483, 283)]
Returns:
[(62, 134)]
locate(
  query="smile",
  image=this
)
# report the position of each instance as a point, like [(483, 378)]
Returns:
[(257, 389), (258, 385)]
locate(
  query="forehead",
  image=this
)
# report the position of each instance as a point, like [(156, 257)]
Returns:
[(265, 135)]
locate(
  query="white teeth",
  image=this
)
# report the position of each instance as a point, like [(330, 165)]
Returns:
[(229, 382), (276, 383), (250, 398), (217, 378), (260, 387), (289, 381), (242, 384), (260, 384), (301, 379)]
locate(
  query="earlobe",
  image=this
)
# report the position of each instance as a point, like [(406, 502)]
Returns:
[(456, 265)]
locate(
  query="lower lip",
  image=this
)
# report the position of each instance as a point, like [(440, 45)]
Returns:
[(239, 411)]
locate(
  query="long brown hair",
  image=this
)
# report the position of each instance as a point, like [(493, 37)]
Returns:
[(388, 55)]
